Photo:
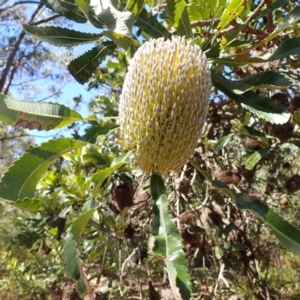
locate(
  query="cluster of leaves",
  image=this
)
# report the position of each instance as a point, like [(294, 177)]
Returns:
[(89, 193)]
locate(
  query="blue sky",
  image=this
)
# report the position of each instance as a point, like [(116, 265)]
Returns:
[(71, 90)]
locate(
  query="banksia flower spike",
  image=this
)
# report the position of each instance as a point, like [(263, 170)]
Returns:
[(164, 103)]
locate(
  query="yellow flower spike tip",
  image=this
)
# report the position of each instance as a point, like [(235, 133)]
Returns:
[(164, 103)]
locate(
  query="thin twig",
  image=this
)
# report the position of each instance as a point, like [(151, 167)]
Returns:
[(15, 49), (18, 3), (255, 12)]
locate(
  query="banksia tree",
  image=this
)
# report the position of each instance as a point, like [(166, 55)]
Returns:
[(164, 103)]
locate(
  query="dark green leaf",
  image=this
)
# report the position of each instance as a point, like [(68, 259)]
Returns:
[(119, 23), (21, 178), (33, 115), (73, 262), (267, 79), (272, 7), (222, 142), (85, 65), (293, 17), (66, 8), (30, 205), (179, 17), (136, 6), (103, 129), (61, 36), (89, 13), (149, 24), (286, 233), (99, 177), (80, 223), (169, 242), (287, 48), (262, 107)]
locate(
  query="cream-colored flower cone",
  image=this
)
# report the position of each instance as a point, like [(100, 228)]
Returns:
[(164, 103)]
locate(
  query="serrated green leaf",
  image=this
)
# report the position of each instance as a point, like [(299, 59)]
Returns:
[(67, 9), (193, 12), (149, 24), (222, 142), (99, 177), (233, 10), (170, 241), (33, 115), (21, 178), (285, 232), (287, 48), (120, 22), (262, 107), (179, 17), (61, 36), (121, 40), (80, 223), (85, 65), (267, 79), (103, 129)]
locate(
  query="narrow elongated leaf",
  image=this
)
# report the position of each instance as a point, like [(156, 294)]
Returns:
[(287, 48), (61, 36), (100, 176), (234, 9), (85, 65), (293, 17), (149, 24), (179, 17), (211, 9), (33, 115), (268, 79), (262, 107), (73, 262), (67, 9), (285, 232), (271, 8), (21, 178), (121, 40), (136, 6), (254, 158), (103, 129), (74, 265), (119, 22), (30, 205), (170, 241), (80, 223), (222, 142)]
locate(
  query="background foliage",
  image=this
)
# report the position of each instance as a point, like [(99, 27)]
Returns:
[(91, 226)]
